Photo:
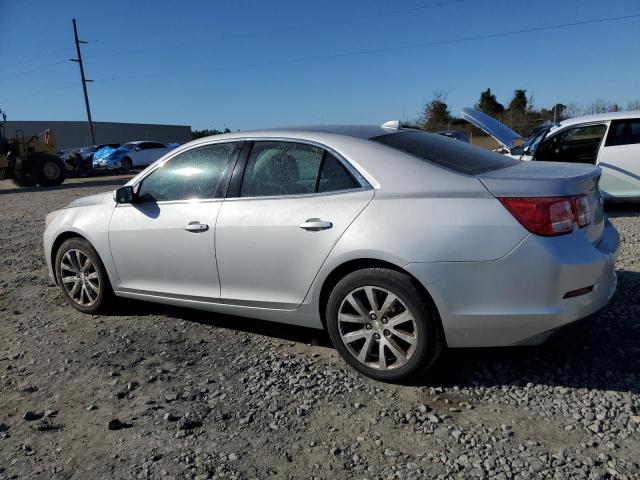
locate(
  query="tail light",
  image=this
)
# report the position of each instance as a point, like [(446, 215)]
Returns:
[(549, 216)]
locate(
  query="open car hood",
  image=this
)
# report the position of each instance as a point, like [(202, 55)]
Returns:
[(499, 131)]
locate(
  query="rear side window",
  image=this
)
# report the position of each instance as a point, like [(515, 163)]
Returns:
[(446, 152), (281, 168), (334, 176), (623, 132)]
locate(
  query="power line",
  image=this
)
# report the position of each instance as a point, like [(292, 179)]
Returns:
[(296, 27), (58, 89), (31, 59), (367, 52), (37, 69), (386, 49)]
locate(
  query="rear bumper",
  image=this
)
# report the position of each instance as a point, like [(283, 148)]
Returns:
[(519, 299)]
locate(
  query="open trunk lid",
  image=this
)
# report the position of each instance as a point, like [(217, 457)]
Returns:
[(499, 131), (541, 179)]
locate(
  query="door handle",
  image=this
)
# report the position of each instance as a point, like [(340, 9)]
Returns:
[(196, 227), (315, 224)]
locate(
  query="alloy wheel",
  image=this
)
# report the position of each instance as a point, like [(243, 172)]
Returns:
[(80, 277), (377, 328)]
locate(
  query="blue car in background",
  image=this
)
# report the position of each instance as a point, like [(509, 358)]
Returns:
[(130, 155)]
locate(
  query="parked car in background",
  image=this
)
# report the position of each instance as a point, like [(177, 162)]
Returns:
[(609, 140), (88, 152), (457, 134), (398, 242), (132, 155)]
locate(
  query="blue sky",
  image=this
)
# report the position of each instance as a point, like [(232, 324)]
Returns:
[(214, 64)]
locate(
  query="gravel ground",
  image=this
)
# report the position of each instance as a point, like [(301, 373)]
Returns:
[(160, 392)]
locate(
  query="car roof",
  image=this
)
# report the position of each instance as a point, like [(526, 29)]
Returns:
[(359, 131), (600, 117)]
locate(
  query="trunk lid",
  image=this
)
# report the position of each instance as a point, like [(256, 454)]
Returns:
[(541, 179), (499, 131)]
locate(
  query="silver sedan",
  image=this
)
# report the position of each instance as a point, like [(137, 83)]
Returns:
[(399, 243)]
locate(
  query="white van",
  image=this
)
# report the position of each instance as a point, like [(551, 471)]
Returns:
[(609, 140)]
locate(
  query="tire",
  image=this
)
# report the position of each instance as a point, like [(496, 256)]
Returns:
[(22, 175), (410, 317), (49, 169), (126, 165), (69, 275)]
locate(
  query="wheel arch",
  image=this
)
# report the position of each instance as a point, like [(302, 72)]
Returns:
[(60, 239), (350, 266)]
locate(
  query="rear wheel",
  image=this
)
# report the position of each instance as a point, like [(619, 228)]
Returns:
[(82, 276), (383, 326)]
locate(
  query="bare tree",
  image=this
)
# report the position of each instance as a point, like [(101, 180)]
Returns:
[(435, 114), (633, 105)]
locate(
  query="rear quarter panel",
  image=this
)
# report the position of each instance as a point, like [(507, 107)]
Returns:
[(423, 230)]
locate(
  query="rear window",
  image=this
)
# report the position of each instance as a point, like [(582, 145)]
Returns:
[(446, 152)]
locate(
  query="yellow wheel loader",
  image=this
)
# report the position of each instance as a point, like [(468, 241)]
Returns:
[(32, 161)]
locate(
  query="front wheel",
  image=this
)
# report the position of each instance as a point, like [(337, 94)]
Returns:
[(49, 169), (381, 323), (126, 165), (82, 276)]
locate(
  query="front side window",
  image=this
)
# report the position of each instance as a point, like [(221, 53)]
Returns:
[(288, 168), (623, 132), (575, 145), (196, 173)]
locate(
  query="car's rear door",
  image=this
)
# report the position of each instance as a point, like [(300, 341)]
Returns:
[(619, 159), (163, 243), (288, 204)]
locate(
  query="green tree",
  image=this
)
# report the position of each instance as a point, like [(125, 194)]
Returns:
[(207, 133), (518, 102), (489, 104), (435, 114)]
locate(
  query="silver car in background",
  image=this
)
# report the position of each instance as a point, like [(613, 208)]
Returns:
[(398, 242)]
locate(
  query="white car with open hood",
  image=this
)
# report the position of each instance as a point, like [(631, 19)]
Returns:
[(608, 140)]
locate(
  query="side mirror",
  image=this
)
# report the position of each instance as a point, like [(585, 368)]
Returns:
[(124, 194), (137, 149)]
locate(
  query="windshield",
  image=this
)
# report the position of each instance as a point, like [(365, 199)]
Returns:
[(127, 146), (446, 152)]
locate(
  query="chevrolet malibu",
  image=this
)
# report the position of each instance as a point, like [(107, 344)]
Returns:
[(398, 242)]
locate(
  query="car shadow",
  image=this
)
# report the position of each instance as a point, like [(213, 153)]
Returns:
[(602, 352), (622, 209), (83, 183)]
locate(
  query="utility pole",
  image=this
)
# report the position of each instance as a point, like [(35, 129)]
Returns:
[(84, 81)]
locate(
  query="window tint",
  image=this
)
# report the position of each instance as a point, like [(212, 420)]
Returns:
[(579, 145), (193, 174), (334, 176), (623, 132), (151, 145), (281, 168), (446, 152)]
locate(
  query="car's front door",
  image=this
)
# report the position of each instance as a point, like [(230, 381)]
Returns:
[(294, 202), (163, 243), (620, 159), (577, 144)]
